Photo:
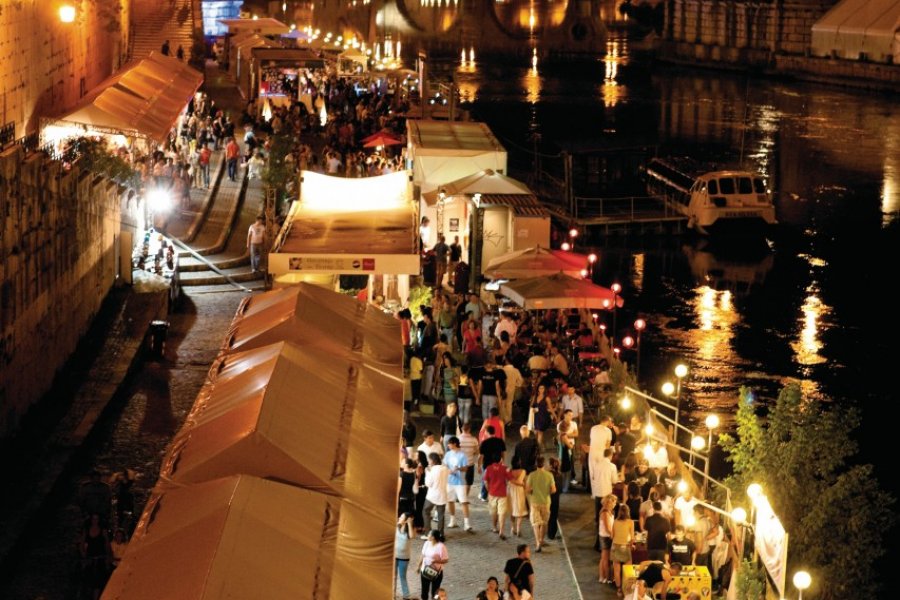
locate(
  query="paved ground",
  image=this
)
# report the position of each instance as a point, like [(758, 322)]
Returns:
[(565, 570)]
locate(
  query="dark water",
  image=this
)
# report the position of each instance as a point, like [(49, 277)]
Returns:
[(815, 305)]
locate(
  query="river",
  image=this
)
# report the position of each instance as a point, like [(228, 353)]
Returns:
[(815, 305)]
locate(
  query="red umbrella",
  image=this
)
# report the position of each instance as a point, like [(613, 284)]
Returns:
[(385, 131), (381, 139)]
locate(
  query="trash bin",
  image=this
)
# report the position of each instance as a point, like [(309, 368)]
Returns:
[(159, 330)]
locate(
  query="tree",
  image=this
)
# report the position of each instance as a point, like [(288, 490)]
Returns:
[(836, 514)]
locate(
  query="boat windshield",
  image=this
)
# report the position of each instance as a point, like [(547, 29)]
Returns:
[(745, 186), (759, 185), (713, 187), (726, 184)]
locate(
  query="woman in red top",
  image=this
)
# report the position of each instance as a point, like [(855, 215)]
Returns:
[(495, 421)]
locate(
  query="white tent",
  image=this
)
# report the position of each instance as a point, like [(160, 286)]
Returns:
[(486, 181), (444, 151), (856, 28)]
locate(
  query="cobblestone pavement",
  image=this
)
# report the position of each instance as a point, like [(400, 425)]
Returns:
[(132, 434)]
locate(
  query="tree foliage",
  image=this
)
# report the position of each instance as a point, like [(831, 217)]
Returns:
[(751, 581), (97, 159), (833, 509)]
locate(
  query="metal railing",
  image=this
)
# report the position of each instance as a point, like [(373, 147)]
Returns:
[(632, 207)]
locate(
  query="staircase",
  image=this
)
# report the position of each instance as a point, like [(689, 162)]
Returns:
[(155, 21)]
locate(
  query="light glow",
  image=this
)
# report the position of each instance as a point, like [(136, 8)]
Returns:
[(802, 580), (159, 200), (640, 324), (67, 13), (698, 443), (712, 421), (681, 371), (682, 486), (625, 402), (739, 515), (668, 388), (754, 491)]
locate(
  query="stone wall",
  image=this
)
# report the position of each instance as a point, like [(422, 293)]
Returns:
[(46, 65), (775, 27), (59, 233)]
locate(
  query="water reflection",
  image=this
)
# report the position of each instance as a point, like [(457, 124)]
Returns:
[(530, 17), (532, 80)]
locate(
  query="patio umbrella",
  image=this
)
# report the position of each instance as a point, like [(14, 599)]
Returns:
[(486, 181), (559, 291), (535, 262), (381, 139)]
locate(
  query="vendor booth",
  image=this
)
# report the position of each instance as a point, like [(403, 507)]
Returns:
[(274, 72), (441, 152), (246, 537), (247, 416), (240, 59), (352, 62), (859, 30), (318, 318), (142, 102), (344, 226)]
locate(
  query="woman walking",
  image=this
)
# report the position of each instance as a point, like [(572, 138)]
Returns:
[(605, 532), (402, 537), (431, 563), (516, 495), (540, 407)]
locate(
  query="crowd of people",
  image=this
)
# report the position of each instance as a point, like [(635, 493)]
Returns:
[(490, 377)]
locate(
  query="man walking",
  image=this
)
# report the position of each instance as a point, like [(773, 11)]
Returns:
[(441, 251), (205, 155), (538, 487), (256, 239), (457, 464), (455, 256), (527, 450), (567, 434), (520, 574), (436, 477), (604, 476), (232, 153)]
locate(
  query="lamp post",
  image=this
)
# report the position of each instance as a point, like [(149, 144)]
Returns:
[(592, 258), (802, 580), (639, 326), (565, 247), (681, 371), (573, 233), (616, 290), (712, 422)]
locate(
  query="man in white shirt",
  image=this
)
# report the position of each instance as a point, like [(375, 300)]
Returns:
[(436, 476), (506, 324), (469, 445), (256, 239), (430, 445), (657, 457), (684, 510), (514, 381), (604, 476), (572, 401), (538, 362)]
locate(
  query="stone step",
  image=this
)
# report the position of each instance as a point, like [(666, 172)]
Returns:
[(189, 264), (253, 286), (240, 275)]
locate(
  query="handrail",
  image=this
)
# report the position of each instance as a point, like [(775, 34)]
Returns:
[(672, 421)]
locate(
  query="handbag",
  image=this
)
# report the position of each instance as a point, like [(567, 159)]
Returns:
[(430, 573)]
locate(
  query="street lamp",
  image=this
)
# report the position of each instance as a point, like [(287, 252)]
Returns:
[(639, 326), (616, 290), (565, 247), (668, 388), (712, 421), (592, 258), (584, 273), (802, 580), (697, 445), (739, 515), (681, 371), (754, 492), (625, 403)]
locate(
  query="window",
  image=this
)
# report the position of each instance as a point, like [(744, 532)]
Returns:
[(745, 185), (726, 185), (713, 187), (759, 185)]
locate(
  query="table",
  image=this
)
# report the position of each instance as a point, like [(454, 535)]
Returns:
[(696, 580)]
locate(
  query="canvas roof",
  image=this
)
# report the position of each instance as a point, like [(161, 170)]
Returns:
[(486, 181), (315, 317), (266, 26), (534, 262), (852, 27), (558, 291), (145, 98), (298, 57), (452, 138), (250, 417), (245, 537)]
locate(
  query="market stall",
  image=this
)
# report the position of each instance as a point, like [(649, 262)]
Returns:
[(352, 62), (275, 72), (345, 226), (246, 537)]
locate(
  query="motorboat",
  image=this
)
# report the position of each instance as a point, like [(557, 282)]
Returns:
[(721, 202)]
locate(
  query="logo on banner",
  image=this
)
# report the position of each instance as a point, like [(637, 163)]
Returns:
[(368, 264)]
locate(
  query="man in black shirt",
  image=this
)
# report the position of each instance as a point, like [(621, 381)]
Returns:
[(657, 528), (492, 449), (680, 550), (455, 256), (527, 450), (493, 385), (520, 573)]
